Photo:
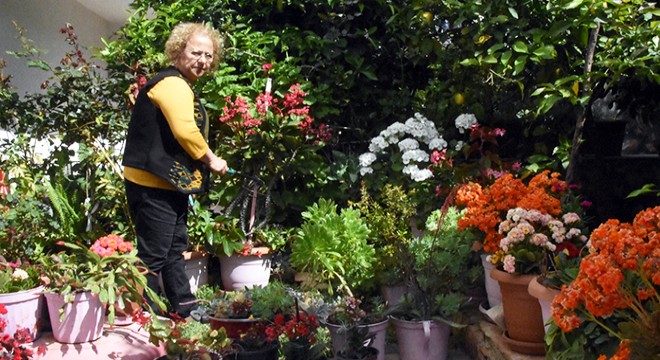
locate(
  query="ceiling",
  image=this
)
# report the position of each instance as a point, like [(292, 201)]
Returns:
[(115, 11)]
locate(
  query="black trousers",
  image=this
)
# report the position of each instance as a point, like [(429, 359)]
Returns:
[(160, 218)]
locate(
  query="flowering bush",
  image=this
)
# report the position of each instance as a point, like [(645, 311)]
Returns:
[(487, 207), (615, 292), (532, 236), (273, 138), (416, 155), (12, 347)]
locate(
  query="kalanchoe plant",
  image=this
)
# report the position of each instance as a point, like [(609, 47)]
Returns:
[(114, 276), (613, 305)]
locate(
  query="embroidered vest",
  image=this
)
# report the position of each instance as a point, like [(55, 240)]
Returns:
[(151, 146)]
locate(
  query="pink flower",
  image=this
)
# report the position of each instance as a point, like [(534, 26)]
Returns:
[(266, 68)]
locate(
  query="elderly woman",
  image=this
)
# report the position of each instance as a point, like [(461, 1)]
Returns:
[(167, 158)]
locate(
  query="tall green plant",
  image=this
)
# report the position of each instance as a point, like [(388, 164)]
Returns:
[(332, 247)]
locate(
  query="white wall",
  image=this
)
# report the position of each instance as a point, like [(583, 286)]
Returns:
[(42, 20)]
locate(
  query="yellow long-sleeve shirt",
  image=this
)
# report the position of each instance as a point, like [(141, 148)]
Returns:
[(175, 99)]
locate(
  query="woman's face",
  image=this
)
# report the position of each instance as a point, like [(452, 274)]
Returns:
[(196, 58)]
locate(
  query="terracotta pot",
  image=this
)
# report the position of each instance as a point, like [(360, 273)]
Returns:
[(545, 295), (422, 340), (24, 310), (240, 271), (379, 330), (82, 320), (234, 327), (522, 313)]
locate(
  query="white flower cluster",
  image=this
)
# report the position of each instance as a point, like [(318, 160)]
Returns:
[(465, 122), (19, 274), (408, 136)]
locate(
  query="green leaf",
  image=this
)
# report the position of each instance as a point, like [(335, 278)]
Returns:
[(513, 13), (519, 64), (573, 4), (38, 64), (646, 189), (520, 47)]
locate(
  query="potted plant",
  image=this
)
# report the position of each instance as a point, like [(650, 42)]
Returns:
[(611, 309), (81, 277), (351, 314), (237, 311), (21, 294), (389, 218), (442, 273), (331, 248), (245, 253), (188, 340), (523, 224), (358, 345), (297, 333)]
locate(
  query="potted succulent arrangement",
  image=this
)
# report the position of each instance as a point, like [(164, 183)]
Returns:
[(245, 314), (442, 273), (189, 340), (80, 284)]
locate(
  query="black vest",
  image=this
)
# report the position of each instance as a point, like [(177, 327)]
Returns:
[(151, 146)]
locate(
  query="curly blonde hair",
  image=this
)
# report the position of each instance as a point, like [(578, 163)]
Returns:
[(182, 32)]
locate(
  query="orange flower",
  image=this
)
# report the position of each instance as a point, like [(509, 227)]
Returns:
[(618, 281), (486, 208)]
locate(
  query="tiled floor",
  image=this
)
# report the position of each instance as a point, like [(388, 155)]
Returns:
[(117, 343)]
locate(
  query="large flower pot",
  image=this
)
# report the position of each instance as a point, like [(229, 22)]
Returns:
[(492, 286), (24, 309), (234, 327), (545, 295), (196, 270), (392, 294), (422, 340), (371, 354), (81, 321), (269, 352), (379, 330), (238, 271), (522, 313)]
